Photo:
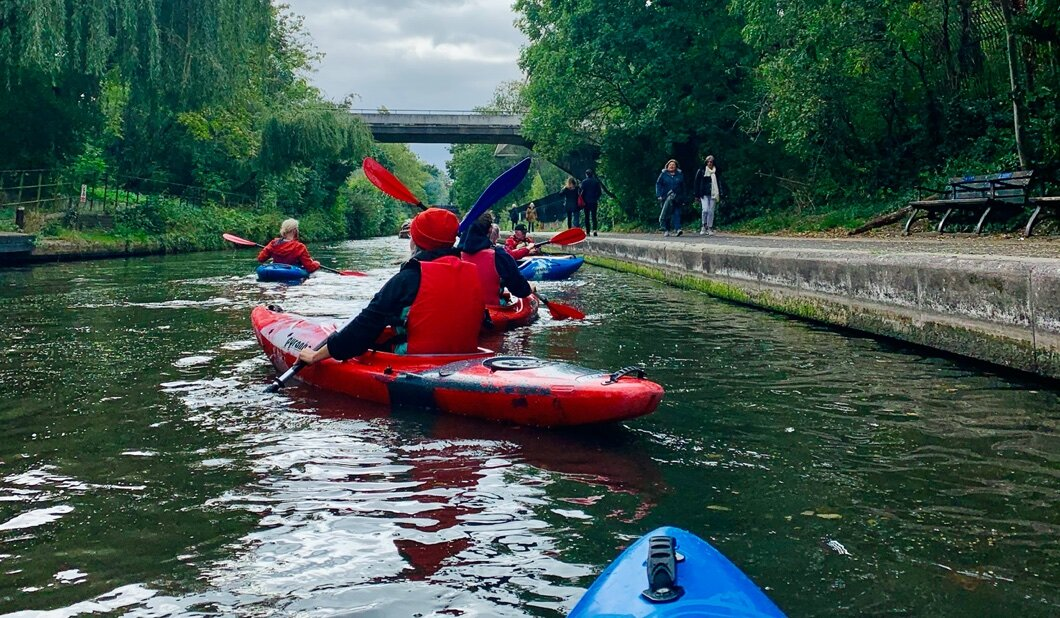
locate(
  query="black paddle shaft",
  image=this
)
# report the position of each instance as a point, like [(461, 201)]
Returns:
[(279, 382)]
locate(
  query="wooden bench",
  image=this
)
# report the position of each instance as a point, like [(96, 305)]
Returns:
[(1005, 192), (1041, 203)]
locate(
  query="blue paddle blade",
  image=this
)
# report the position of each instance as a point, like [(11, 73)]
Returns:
[(501, 186)]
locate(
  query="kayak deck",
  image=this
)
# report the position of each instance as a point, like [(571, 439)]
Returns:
[(707, 584), (522, 390)]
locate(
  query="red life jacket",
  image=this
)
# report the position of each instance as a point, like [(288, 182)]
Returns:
[(293, 252), (490, 282), (446, 316)]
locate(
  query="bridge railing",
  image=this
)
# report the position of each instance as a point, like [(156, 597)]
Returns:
[(434, 112)]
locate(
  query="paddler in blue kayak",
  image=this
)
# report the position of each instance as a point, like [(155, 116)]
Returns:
[(287, 249), (434, 301), (519, 245), (497, 269)]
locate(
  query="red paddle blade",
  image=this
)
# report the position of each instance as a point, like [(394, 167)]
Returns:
[(352, 273), (239, 241), (560, 311), (388, 183), (569, 237)]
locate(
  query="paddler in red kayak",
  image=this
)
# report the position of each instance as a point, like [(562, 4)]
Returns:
[(496, 268), (288, 250), (519, 245), (434, 301)]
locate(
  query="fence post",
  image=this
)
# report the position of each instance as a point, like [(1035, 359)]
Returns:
[(21, 183), (106, 181), (40, 180)]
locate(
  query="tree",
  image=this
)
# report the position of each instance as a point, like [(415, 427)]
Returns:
[(642, 82)]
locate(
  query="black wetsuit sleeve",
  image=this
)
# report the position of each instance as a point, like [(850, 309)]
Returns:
[(509, 273), (385, 309)]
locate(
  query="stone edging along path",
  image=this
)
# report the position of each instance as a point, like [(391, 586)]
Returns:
[(1000, 309)]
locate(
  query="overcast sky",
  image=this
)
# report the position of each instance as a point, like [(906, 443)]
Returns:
[(413, 54)]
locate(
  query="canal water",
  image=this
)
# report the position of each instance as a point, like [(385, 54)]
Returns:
[(144, 472)]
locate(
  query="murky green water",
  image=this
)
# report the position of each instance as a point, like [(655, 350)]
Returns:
[(143, 470)]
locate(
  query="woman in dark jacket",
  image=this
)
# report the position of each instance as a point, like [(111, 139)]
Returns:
[(570, 202), (670, 191)]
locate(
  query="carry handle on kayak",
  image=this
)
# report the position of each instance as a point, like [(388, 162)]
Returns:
[(625, 371), (662, 570)]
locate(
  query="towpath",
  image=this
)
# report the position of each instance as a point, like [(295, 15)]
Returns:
[(990, 298), (949, 244)]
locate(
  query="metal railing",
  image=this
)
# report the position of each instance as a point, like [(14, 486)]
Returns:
[(436, 112), (48, 192)]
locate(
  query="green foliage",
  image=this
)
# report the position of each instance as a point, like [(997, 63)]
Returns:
[(537, 187), (805, 103), (369, 212), (89, 166), (313, 136), (437, 186)]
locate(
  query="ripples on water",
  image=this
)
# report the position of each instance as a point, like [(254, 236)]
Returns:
[(143, 470)]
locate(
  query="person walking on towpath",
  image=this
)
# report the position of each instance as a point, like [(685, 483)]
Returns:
[(531, 216), (288, 250), (434, 300), (670, 191), (591, 192), (513, 215), (496, 269), (709, 188), (570, 202), (519, 245)]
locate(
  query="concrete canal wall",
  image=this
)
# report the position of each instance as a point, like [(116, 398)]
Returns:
[(1004, 310)]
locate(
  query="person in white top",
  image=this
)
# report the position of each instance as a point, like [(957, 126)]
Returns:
[(709, 188)]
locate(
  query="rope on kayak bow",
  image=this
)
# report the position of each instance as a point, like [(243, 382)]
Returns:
[(662, 570), (625, 371)]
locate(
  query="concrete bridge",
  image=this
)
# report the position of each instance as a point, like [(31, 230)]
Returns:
[(443, 127)]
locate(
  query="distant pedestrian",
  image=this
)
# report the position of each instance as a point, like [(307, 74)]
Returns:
[(531, 216), (670, 190), (591, 192), (570, 202), (710, 189), (513, 214)]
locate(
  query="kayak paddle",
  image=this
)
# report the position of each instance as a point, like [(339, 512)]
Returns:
[(560, 311), (501, 186), (388, 183), (240, 241), (278, 383), (236, 240), (572, 236)]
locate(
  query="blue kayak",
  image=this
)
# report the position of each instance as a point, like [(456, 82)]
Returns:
[(282, 273), (671, 573), (549, 267)]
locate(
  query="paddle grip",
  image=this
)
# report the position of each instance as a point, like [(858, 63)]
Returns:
[(279, 382)]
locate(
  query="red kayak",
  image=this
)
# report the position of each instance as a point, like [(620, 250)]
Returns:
[(521, 312), (517, 389)]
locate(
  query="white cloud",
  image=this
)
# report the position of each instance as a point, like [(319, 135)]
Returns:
[(413, 54)]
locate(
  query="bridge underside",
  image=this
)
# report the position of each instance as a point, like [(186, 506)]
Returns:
[(445, 135), (444, 128)]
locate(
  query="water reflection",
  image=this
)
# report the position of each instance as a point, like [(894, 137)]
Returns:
[(398, 512), (144, 471)]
